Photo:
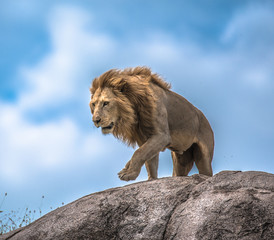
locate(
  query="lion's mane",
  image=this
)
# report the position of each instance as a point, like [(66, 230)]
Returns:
[(135, 100)]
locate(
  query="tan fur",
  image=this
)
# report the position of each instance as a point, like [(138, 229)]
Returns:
[(138, 107)]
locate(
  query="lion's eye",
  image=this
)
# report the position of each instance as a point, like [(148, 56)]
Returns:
[(93, 104), (105, 104)]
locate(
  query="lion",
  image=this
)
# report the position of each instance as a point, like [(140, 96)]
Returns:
[(138, 107)]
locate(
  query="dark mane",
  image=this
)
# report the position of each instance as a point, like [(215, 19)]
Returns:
[(106, 79)]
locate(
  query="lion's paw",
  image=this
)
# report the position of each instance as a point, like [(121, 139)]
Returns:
[(128, 174)]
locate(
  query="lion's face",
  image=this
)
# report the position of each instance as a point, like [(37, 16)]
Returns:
[(104, 109)]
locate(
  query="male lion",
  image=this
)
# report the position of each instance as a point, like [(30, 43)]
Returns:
[(138, 107)]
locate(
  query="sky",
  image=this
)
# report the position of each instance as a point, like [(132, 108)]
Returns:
[(217, 54)]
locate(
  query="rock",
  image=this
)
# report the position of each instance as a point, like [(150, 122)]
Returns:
[(230, 205)]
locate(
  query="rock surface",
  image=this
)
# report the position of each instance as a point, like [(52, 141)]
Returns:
[(230, 205)]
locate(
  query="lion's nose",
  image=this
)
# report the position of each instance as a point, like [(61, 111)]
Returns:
[(97, 120)]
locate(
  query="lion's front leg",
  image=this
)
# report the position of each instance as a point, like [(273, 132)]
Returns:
[(152, 167), (147, 151)]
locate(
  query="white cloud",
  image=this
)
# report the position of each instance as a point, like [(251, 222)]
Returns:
[(257, 78), (247, 59), (27, 148), (75, 47), (251, 36), (251, 27)]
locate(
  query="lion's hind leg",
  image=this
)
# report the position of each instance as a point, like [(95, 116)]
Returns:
[(182, 163), (203, 158)]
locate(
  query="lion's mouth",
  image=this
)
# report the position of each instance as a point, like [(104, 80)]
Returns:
[(109, 127)]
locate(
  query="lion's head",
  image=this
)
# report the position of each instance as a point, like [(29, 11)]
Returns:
[(122, 103), (105, 110)]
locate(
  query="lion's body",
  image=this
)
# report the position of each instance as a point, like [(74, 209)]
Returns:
[(139, 108)]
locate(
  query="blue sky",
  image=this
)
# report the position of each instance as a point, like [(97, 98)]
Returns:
[(217, 54)]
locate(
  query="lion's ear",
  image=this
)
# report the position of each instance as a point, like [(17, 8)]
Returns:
[(120, 84)]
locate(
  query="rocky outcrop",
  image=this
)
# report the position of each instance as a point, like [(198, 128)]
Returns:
[(230, 205)]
